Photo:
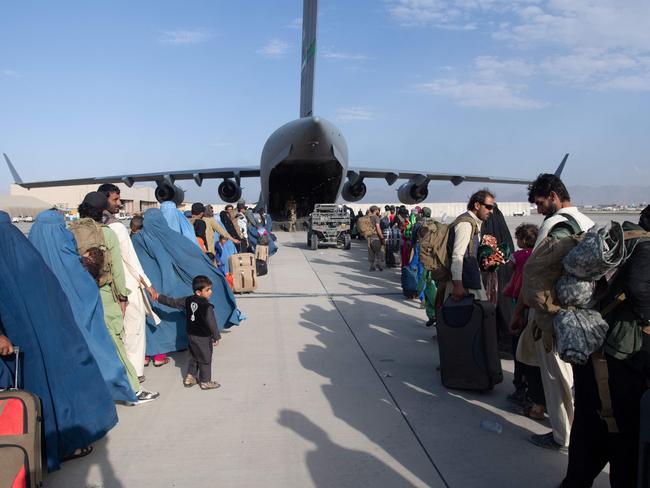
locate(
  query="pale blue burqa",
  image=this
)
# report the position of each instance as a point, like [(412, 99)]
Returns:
[(178, 222)]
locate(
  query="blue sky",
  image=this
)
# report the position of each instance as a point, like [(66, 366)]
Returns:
[(477, 86)]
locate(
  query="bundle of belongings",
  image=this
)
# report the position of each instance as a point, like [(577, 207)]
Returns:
[(566, 281)]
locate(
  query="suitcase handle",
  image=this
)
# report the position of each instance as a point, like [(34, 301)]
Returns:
[(16, 370), (16, 367)]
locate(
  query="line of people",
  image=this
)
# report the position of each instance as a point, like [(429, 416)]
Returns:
[(91, 304), (475, 254)]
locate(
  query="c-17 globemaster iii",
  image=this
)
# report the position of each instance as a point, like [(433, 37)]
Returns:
[(304, 161)]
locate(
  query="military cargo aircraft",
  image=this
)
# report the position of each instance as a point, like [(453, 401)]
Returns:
[(305, 160)]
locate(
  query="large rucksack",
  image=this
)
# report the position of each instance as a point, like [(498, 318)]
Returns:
[(544, 268), (434, 254), (88, 234), (365, 227)]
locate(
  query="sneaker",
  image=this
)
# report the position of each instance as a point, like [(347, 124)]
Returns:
[(145, 396), (209, 385), (141, 379), (547, 442), (518, 396), (431, 322)]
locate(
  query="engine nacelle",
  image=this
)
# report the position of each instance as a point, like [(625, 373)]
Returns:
[(166, 193), (410, 193), (229, 191), (353, 193)]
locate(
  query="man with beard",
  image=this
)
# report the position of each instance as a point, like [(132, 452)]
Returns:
[(562, 220)]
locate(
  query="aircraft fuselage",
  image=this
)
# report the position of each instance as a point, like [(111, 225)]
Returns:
[(305, 160)]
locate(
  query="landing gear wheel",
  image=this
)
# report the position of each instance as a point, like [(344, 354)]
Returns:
[(313, 242), (347, 242)]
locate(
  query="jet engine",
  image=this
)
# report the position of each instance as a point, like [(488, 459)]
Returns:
[(353, 193), (229, 191), (165, 192), (410, 193)]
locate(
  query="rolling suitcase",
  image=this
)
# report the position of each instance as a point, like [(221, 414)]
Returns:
[(21, 437), (262, 252), (467, 342), (409, 282), (261, 267), (243, 270)]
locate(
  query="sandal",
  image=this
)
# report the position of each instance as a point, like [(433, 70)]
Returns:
[(209, 385), (158, 365), (79, 453), (189, 381)]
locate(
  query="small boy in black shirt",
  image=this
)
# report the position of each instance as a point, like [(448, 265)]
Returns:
[(203, 333)]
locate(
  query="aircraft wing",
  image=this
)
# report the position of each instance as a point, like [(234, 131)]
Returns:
[(421, 177), (197, 175)]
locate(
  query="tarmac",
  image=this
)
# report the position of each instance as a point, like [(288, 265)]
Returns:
[(330, 382)]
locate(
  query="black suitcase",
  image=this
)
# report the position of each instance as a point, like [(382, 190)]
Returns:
[(467, 342), (261, 266)]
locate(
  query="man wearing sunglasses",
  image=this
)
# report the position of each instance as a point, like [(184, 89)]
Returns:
[(464, 239)]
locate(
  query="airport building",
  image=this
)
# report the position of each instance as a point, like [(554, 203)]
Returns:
[(135, 200)]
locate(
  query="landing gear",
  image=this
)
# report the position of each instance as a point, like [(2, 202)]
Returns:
[(313, 242), (347, 242)]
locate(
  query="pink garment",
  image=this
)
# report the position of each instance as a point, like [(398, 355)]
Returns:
[(513, 288), (158, 358)]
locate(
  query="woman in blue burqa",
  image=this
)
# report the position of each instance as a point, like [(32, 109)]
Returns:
[(56, 363), (176, 220), (56, 244), (171, 262)]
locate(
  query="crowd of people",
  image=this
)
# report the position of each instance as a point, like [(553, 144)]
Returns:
[(596, 425), (115, 301)]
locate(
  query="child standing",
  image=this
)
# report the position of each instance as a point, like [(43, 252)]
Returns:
[(529, 392), (203, 333)]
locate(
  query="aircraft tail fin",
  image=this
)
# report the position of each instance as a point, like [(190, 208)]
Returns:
[(309, 20), (17, 179), (560, 168)]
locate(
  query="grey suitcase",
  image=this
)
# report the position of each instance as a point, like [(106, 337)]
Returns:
[(467, 342)]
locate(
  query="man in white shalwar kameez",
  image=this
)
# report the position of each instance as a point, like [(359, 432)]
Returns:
[(138, 306)]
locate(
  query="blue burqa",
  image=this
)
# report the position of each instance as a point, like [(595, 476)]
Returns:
[(171, 263), (253, 236), (56, 363), (178, 222), (56, 244)]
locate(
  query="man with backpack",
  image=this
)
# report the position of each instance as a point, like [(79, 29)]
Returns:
[(137, 282), (607, 424), (99, 246), (563, 220), (462, 245)]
